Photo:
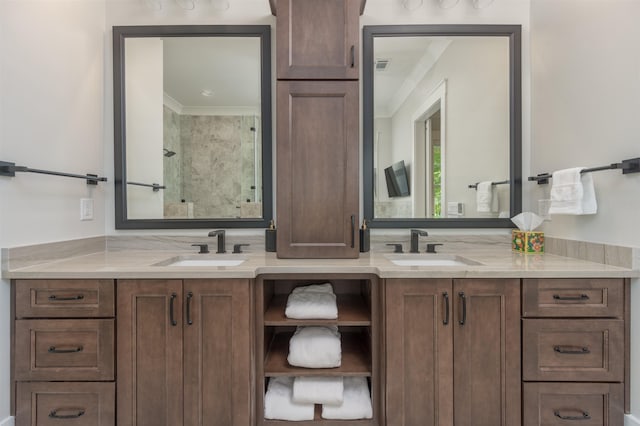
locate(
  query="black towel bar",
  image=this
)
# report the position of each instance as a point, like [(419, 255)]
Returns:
[(627, 166), (10, 169), (156, 187), (502, 182)]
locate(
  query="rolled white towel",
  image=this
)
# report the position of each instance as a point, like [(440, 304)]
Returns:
[(356, 404), (315, 347), (279, 404), (318, 390), (315, 301)]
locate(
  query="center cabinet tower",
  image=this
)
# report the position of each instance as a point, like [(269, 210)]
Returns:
[(317, 51)]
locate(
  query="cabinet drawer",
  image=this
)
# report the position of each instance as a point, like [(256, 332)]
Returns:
[(572, 298), (64, 298), (64, 349), (573, 350), (561, 404), (68, 404)]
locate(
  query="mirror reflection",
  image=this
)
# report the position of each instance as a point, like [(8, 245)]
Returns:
[(193, 139), (440, 135)]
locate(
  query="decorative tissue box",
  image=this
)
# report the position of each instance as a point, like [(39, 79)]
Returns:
[(527, 241)]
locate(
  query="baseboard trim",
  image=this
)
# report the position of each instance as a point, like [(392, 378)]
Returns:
[(9, 421), (630, 420)]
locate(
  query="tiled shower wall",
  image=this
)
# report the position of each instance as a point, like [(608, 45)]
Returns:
[(214, 166)]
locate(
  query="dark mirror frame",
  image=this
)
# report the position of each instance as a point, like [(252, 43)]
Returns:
[(513, 32), (120, 33)]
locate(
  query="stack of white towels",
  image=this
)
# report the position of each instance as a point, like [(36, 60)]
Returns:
[(294, 398)]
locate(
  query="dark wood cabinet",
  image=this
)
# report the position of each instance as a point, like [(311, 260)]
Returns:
[(318, 173), (63, 360), (184, 352), (317, 39), (456, 348)]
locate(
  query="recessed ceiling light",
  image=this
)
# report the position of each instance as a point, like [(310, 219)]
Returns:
[(206, 92)]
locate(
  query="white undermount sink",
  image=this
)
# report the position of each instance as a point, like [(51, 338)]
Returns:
[(194, 261), (430, 260)]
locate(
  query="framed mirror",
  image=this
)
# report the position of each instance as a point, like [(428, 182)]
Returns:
[(192, 116), (442, 126)]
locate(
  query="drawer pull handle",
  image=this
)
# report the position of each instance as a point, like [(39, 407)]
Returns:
[(584, 416), (171, 315), (577, 297), (54, 413), (54, 350), (572, 350), (55, 298), (445, 296), (464, 308), (189, 297)]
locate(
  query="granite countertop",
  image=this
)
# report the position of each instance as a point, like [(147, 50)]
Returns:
[(494, 262)]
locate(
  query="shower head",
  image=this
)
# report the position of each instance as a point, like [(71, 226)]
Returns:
[(168, 153)]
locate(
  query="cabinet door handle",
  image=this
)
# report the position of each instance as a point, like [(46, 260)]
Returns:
[(189, 297), (572, 350), (54, 350), (576, 297), (353, 56), (353, 231), (54, 413), (463, 298), (171, 303), (585, 416), (55, 298), (445, 296)]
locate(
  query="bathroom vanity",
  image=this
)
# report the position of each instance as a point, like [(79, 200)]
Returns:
[(124, 338)]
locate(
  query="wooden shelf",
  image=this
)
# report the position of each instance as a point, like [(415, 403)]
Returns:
[(356, 358), (352, 311)]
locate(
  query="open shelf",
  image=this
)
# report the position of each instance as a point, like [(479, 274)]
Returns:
[(317, 418), (356, 358), (352, 311)]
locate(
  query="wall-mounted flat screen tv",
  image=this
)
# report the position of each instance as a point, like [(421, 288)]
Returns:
[(397, 181)]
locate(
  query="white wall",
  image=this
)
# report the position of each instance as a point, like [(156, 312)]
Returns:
[(144, 131), (585, 106), (51, 117)]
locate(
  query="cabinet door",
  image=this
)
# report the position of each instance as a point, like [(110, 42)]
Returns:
[(487, 352), (419, 341), (217, 351), (317, 39), (318, 174), (149, 385)]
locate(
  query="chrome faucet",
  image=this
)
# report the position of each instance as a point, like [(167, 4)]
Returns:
[(415, 233), (220, 234)]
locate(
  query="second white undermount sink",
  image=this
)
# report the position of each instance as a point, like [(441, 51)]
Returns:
[(194, 261), (430, 260)]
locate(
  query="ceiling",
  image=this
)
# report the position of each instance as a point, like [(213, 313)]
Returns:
[(229, 67)]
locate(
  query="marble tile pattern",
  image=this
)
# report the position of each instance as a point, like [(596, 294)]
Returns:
[(21, 257), (214, 166), (592, 252), (172, 166), (391, 209)]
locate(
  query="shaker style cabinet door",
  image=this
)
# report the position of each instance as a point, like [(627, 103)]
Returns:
[(419, 352), (317, 39), (487, 352), (318, 174), (217, 353), (149, 367)]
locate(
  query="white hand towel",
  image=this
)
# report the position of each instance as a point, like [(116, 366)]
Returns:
[(486, 200), (572, 192), (357, 402), (279, 404), (315, 347), (315, 301), (318, 390)]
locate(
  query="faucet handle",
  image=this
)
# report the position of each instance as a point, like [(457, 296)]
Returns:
[(237, 248), (431, 247), (204, 248), (397, 248)]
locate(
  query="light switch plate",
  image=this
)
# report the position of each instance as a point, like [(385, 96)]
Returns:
[(86, 209)]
